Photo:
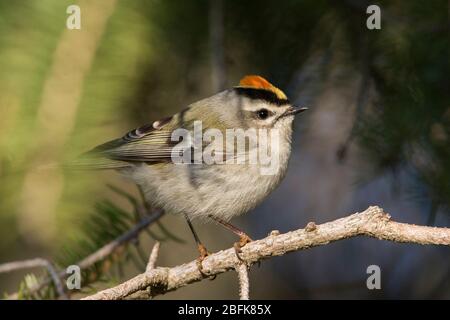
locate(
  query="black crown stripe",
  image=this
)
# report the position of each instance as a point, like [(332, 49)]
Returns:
[(261, 94)]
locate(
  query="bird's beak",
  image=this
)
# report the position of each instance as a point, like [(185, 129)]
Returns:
[(292, 111)]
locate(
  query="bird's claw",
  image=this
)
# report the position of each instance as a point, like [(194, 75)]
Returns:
[(244, 239), (203, 254)]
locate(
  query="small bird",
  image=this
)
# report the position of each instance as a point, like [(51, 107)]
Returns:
[(195, 189)]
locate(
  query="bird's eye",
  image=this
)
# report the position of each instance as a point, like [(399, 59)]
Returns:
[(262, 114)]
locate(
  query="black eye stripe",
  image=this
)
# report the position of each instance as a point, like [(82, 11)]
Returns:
[(261, 94)]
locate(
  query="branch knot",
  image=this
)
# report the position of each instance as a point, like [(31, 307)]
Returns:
[(311, 226)]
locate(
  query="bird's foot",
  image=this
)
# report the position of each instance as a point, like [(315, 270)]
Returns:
[(203, 254), (243, 240)]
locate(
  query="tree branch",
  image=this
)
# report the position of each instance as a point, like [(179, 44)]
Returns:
[(101, 253), (372, 222)]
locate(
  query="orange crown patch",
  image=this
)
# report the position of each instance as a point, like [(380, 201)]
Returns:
[(257, 82)]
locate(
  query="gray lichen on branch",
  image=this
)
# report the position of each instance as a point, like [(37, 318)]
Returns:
[(372, 222)]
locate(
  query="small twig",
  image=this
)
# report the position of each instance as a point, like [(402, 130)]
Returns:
[(33, 263), (153, 257), (244, 282), (146, 294), (372, 222), (24, 264)]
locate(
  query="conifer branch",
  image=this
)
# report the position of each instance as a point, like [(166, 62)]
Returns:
[(99, 255), (34, 263)]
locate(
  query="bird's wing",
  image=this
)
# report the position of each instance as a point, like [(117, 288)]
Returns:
[(144, 144)]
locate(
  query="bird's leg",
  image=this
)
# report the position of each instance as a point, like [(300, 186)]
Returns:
[(243, 237), (201, 248)]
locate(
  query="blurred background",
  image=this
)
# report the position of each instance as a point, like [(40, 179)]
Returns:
[(377, 133)]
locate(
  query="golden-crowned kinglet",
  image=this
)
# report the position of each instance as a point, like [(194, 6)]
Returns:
[(218, 158)]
